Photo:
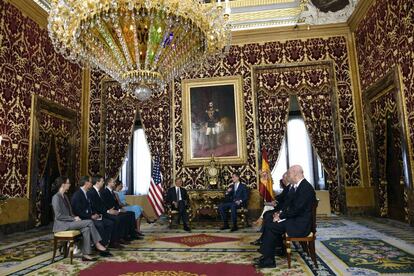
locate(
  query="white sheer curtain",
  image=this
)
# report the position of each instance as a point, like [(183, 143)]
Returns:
[(300, 152), (280, 168), (142, 163), (300, 149)]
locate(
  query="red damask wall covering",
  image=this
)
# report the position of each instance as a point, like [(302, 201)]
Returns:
[(28, 65), (385, 38), (239, 61)]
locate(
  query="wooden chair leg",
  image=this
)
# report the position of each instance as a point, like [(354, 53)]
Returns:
[(54, 249), (71, 251), (313, 252), (65, 249), (305, 247), (288, 252)]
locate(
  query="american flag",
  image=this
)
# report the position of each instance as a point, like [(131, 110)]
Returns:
[(156, 191)]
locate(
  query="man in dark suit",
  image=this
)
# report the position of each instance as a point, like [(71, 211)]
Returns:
[(178, 198), (111, 203), (119, 232), (281, 200), (295, 218), (236, 197), (65, 220), (82, 208)]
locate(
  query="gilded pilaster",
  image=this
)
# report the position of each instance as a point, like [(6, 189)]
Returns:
[(86, 87), (358, 111)]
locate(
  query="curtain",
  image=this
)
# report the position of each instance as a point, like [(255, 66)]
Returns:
[(273, 114), (313, 87), (155, 118), (120, 112), (316, 109)]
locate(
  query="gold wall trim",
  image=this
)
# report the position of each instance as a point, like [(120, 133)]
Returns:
[(358, 111), (31, 10), (288, 33), (360, 196), (267, 14), (360, 11), (85, 113), (250, 3), (172, 99)]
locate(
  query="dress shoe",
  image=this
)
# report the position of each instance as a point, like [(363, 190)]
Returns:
[(234, 228), (88, 259), (266, 263), (122, 241), (115, 245), (139, 238), (139, 233), (105, 254), (151, 221), (224, 227), (257, 259), (257, 242), (186, 228)]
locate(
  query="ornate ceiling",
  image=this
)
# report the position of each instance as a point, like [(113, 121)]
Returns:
[(254, 14)]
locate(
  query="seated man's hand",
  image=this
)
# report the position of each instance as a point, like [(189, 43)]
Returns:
[(113, 212), (238, 202), (95, 216), (77, 218), (175, 204), (228, 190), (275, 217)]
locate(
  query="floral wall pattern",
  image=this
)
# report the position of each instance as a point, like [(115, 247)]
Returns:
[(314, 88), (113, 114), (28, 65), (238, 62), (384, 38)]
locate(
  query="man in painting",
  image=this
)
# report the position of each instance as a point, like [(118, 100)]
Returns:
[(212, 121)]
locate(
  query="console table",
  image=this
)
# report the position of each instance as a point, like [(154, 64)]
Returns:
[(205, 202)]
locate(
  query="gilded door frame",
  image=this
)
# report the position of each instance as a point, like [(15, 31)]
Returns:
[(390, 83), (39, 105)]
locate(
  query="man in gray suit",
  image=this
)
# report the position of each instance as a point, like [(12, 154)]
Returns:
[(65, 220)]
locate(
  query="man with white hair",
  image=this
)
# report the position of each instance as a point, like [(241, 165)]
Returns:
[(295, 218)]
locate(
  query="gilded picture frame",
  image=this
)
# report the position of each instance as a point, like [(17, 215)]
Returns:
[(213, 121)]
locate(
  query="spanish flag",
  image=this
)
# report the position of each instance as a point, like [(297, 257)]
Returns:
[(266, 183)]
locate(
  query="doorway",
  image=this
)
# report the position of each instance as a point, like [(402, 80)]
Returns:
[(390, 161), (395, 185)]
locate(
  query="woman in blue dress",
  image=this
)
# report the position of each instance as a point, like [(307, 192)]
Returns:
[(138, 210)]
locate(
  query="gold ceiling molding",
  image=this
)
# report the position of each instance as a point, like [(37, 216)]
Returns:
[(360, 11), (250, 3), (31, 10), (288, 33), (265, 15)]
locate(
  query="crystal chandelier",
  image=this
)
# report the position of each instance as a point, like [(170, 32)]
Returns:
[(142, 44)]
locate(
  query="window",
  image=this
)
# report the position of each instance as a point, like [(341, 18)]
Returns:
[(136, 170), (297, 149)]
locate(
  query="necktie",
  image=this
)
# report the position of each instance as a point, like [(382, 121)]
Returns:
[(235, 188), (178, 194)]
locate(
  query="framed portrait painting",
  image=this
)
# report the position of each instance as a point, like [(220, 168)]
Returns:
[(213, 121)]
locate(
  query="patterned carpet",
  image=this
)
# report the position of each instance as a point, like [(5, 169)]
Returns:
[(345, 246)]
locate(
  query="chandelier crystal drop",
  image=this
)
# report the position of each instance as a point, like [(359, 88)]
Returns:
[(142, 44)]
